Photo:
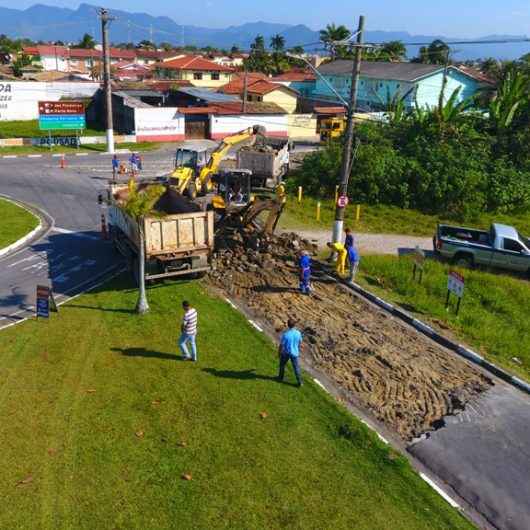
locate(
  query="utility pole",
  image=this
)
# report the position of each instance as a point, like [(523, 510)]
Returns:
[(245, 91), (105, 19), (348, 139)]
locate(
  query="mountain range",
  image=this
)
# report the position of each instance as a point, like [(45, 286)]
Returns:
[(48, 23)]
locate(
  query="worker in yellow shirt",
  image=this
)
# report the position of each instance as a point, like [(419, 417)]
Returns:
[(342, 254)]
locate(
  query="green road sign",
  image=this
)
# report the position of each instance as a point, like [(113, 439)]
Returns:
[(62, 122)]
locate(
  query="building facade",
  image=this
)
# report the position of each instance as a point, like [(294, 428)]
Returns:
[(381, 82), (198, 71)]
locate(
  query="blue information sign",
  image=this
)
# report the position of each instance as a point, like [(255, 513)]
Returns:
[(62, 122), (45, 301)]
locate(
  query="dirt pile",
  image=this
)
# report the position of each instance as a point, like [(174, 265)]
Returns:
[(405, 380)]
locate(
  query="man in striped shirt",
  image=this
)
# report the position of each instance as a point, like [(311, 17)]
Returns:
[(189, 332)]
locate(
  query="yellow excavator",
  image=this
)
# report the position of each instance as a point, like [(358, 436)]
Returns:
[(194, 171)]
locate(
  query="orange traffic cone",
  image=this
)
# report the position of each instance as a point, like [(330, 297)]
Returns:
[(104, 231), (62, 162)]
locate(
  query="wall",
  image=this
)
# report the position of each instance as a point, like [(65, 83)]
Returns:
[(159, 124), (429, 89), (19, 99), (221, 126), (283, 98), (302, 126), (205, 82)]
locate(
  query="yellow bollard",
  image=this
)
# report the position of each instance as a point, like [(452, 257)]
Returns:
[(336, 194), (358, 212), (299, 194), (318, 211)]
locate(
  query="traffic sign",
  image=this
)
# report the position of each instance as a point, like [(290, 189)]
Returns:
[(45, 301), (342, 201), (455, 284), (61, 115)]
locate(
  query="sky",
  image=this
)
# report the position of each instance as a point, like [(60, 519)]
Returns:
[(450, 18)]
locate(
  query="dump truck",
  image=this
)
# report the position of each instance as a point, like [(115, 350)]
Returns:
[(178, 234), (267, 159)]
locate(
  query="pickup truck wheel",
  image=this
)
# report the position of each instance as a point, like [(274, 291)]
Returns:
[(463, 261)]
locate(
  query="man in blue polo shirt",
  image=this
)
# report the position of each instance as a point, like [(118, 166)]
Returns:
[(290, 343)]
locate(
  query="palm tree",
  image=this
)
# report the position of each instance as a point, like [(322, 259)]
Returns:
[(395, 50), (87, 42), (258, 46), (278, 43), (333, 34), (140, 204), (512, 94)]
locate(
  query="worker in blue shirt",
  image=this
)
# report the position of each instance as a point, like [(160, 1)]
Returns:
[(353, 260), (115, 166), (304, 264), (349, 241), (289, 350)]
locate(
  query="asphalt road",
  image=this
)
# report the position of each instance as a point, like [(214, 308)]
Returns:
[(482, 454)]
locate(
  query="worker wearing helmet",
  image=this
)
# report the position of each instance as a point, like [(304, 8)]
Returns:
[(304, 264)]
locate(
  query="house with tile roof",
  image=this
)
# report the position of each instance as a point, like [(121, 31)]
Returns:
[(261, 90), (300, 80), (200, 72), (417, 84)]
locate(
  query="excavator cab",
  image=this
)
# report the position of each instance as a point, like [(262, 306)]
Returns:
[(234, 188), (188, 165)]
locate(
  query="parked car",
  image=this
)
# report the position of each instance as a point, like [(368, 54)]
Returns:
[(501, 247)]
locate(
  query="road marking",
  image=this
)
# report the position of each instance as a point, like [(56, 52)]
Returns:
[(57, 155), (10, 156), (73, 233), (34, 156), (81, 154), (439, 490)]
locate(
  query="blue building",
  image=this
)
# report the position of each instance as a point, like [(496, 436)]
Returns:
[(380, 82)]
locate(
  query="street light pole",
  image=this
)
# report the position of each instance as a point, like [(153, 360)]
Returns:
[(338, 225), (105, 19)]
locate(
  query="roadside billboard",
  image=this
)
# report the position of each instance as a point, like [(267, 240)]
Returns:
[(61, 115)]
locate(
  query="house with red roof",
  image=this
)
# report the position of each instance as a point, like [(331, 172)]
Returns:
[(261, 90), (200, 72)]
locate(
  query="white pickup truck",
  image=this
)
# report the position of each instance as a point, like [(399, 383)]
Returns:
[(502, 247)]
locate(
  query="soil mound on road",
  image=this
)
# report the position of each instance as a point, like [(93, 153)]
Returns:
[(404, 379)]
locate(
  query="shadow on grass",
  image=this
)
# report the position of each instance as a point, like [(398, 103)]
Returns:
[(148, 354), (105, 309), (243, 375)]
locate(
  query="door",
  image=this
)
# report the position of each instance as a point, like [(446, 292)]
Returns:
[(516, 257), (196, 127)]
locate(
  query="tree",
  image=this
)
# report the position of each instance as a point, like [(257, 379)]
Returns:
[(166, 46), (146, 45), (87, 42), (333, 34), (20, 62), (394, 50), (278, 43), (258, 46), (436, 53), (512, 95), (138, 205), (234, 49), (297, 50)]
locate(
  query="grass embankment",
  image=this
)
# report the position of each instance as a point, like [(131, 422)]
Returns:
[(100, 420), (90, 148), (382, 219), (30, 129), (494, 314), (16, 223)]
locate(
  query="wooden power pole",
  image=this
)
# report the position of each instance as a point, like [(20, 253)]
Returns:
[(340, 207), (105, 19)]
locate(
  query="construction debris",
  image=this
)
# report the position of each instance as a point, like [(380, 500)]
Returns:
[(407, 382)]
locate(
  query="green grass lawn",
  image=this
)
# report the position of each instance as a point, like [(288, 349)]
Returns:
[(384, 219), (16, 223), (100, 420), (494, 314), (30, 129), (29, 150)]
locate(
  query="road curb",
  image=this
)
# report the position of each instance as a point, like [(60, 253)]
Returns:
[(459, 349), (43, 221)]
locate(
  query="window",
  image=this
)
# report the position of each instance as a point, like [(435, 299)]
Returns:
[(512, 245), (215, 76), (197, 76)]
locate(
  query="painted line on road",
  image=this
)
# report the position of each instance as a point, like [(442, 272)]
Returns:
[(34, 156), (74, 233), (57, 155), (10, 156), (81, 154), (439, 490)]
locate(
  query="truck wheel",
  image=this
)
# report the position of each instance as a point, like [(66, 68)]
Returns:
[(464, 261)]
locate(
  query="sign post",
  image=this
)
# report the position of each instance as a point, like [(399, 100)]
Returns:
[(342, 201), (45, 302), (61, 115), (419, 262), (455, 285)]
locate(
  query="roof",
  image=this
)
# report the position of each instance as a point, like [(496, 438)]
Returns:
[(77, 53), (294, 76), (135, 93), (476, 74), (254, 86), (166, 85), (382, 70), (207, 95), (236, 108), (131, 101), (132, 64), (193, 62), (329, 110)]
